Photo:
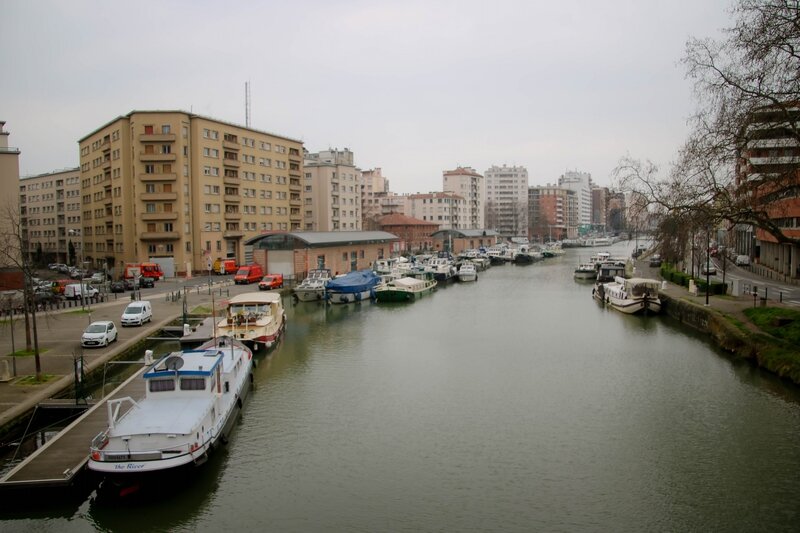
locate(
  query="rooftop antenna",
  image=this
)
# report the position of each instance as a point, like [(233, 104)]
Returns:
[(247, 104)]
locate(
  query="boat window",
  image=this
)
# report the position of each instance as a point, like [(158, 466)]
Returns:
[(193, 383), (162, 385)]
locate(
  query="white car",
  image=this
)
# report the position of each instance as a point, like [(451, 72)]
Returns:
[(100, 333), (137, 313)]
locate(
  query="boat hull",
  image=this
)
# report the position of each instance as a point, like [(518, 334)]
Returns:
[(349, 297), (310, 295)]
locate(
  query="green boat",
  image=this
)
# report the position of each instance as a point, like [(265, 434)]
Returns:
[(404, 289)]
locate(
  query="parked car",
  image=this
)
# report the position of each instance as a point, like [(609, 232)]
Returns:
[(224, 266), (271, 281), (248, 274), (100, 333), (47, 297), (742, 260), (75, 291), (137, 313), (146, 283), (709, 269), (117, 286), (655, 260)]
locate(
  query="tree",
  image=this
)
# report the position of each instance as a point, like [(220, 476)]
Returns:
[(14, 256), (747, 86)]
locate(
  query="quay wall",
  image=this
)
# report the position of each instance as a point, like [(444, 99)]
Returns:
[(746, 345)]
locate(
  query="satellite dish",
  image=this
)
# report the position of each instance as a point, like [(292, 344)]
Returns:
[(173, 362)]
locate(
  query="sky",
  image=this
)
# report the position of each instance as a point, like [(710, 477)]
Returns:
[(413, 87)]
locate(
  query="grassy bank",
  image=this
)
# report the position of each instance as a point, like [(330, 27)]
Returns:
[(778, 347)]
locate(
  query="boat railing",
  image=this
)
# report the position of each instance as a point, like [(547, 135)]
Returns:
[(114, 407)]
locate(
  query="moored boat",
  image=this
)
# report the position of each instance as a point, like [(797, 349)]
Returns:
[(191, 401), (467, 272), (352, 287), (586, 271), (255, 318), (405, 289), (313, 287), (632, 295)]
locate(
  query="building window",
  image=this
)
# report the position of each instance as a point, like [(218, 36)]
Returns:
[(150, 208), (165, 129)]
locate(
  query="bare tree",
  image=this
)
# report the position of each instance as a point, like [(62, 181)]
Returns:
[(747, 87), (14, 256)]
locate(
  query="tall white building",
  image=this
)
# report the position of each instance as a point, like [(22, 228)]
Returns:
[(331, 192), (467, 183), (506, 201), (581, 183)]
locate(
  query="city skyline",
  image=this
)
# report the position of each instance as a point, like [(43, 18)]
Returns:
[(413, 88)]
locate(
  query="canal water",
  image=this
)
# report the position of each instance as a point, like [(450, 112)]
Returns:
[(516, 403)]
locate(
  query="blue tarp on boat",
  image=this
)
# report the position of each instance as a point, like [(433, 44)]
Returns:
[(353, 282)]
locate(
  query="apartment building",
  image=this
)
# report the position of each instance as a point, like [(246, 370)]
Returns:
[(446, 209), (506, 201), (332, 192), (374, 188), (581, 183), (600, 197), (9, 209), (553, 213), (467, 183), (50, 215), (182, 189)]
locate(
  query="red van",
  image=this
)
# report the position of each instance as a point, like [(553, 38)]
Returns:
[(248, 274)]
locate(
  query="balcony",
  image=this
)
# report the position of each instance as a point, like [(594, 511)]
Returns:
[(164, 215), (159, 236), (233, 216), (233, 145), (158, 196), (231, 180), (233, 163), (158, 177), (296, 203), (106, 163), (156, 157), (232, 234), (157, 137), (232, 198)]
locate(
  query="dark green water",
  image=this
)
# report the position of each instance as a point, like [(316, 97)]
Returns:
[(511, 404)]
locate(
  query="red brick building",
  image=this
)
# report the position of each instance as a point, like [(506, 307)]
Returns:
[(415, 234)]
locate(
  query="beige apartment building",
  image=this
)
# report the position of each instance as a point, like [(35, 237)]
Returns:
[(50, 211), (467, 183), (9, 212), (447, 210), (182, 189), (374, 188), (332, 192)]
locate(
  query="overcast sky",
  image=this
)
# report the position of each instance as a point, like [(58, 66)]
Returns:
[(413, 87)]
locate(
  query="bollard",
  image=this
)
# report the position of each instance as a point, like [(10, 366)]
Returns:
[(780, 297)]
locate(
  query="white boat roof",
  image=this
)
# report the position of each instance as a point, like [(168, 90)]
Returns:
[(193, 362), (261, 297), (407, 282), (170, 415)]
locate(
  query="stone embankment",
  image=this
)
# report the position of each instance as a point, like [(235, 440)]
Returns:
[(724, 320)]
